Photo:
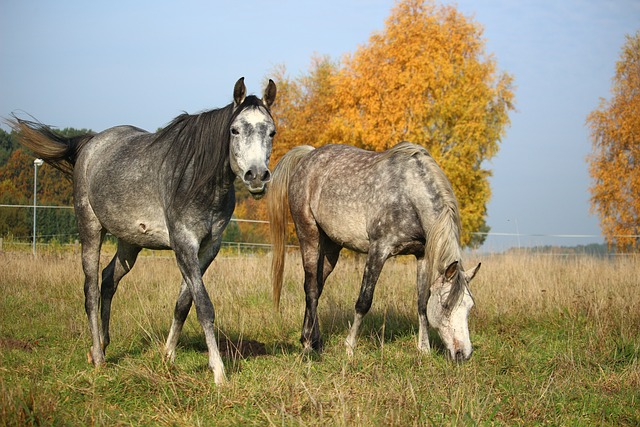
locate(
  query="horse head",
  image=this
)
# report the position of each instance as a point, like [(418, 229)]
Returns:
[(448, 309), (251, 136)]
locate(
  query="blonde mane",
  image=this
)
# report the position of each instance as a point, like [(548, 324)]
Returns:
[(442, 246)]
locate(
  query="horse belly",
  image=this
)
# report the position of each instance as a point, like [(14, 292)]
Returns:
[(143, 231), (148, 234), (136, 221), (348, 229)]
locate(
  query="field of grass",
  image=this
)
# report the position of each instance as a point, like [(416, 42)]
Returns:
[(556, 342)]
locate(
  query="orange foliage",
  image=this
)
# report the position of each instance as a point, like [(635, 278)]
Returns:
[(614, 164), (54, 188), (426, 79)]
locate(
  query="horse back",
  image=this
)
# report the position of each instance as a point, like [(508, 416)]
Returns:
[(357, 197)]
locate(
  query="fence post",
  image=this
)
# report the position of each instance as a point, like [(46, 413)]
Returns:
[(1, 241)]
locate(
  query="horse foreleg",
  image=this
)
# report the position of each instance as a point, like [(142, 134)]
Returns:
[(373, 267), (192, 275), (422, 284), (206, 315)]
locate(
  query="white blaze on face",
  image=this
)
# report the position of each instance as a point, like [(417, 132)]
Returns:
[(452, 323), (251, 137)]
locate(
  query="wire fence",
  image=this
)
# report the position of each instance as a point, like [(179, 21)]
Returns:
[(233, 239), (242, 236)]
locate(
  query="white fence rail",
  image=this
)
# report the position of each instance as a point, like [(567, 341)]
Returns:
[(496, 241)]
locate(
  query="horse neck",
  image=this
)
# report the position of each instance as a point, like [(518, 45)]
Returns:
[(213, 193), (198, 155), (443, 240)]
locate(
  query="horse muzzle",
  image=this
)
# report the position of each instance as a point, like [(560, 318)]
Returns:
[(460, 353), (256, 180)]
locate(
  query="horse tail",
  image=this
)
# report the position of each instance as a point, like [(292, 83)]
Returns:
[(59, 151), (277, 207)]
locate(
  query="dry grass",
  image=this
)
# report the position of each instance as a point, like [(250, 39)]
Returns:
[(556, 342)]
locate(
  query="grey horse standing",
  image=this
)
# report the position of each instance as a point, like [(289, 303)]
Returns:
[(168, 190), (398, 202)]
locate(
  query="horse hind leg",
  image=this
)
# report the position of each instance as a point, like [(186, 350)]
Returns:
[(120, 265), (180, 313), (319, 257), (373, 267), (91, 238)]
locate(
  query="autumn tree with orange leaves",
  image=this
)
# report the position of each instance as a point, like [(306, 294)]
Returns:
[(424, 78), (614, 164)]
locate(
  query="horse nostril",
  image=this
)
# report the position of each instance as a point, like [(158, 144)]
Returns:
[(459, 356), (249, 175), (255, 175)]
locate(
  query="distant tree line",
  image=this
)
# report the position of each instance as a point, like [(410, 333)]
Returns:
[(16, 188)]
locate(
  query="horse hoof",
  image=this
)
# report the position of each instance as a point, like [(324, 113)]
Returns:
[(219, 379), (170, 357), (424, 350), (96, 361), (349, 349), (307, 349)]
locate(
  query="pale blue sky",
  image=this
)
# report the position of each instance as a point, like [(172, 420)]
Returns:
[(100, 64)]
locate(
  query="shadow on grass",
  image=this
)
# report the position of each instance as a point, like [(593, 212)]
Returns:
[(388, 325), (230, 347)]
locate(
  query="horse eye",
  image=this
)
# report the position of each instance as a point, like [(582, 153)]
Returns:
[(235, 131), (272, 134)]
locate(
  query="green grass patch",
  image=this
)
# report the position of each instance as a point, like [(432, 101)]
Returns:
[(565, 356)]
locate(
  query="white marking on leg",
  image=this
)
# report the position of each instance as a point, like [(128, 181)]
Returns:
[(350, 342), (423, 334), (172, 341), (215, 361)]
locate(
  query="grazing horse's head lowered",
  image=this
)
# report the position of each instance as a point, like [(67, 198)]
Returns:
[(448, 309), (252, 130)]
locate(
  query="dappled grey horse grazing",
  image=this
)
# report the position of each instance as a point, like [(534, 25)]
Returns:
[(168, 190), (398, 202)]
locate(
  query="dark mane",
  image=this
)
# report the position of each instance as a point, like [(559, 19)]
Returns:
[(198, 145)]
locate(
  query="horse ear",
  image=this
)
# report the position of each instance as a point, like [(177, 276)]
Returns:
[(470, 274), (239, 92), (451, 270), (269, 94)]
